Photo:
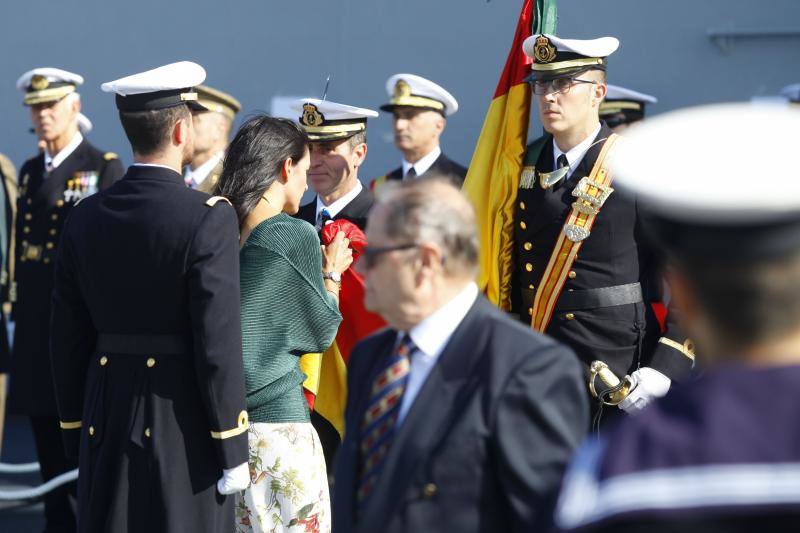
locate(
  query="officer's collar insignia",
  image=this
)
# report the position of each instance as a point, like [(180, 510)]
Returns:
[(39, 82), (402, 89), (548, 179), (311, 116), (543, 50)]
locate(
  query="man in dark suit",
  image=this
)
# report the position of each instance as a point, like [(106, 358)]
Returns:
[(146, 337), (458, 418), (582, 267), (50, 184), (718, 453), (420, 108)]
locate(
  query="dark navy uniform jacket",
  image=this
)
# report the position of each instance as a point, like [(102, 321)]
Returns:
[(721, 453), (443, 167), (44, 202), (616, 253), (147, 354), (356, 211)]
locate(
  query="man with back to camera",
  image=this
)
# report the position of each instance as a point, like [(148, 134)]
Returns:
[(146, 333), (420, 109), (581, 264), (51, 183), (458, 418), (718, 453)]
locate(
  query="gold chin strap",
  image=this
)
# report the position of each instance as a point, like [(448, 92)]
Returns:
[(614, 390)]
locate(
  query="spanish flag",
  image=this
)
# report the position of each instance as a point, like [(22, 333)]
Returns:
[(325, 387), (493, 177)]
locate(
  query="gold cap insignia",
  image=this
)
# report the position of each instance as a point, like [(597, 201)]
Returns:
[(402, 89), (543, 51), (39, 83), (311, 117)]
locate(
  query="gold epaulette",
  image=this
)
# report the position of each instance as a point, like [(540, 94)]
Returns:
[(108, 156), (377, 182), (211, 202), (244, 424), (70, 425)]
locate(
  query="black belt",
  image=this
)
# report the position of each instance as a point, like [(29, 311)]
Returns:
[(591, 298), (141, 344)]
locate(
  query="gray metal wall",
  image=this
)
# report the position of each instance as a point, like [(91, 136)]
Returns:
[(257, 49)]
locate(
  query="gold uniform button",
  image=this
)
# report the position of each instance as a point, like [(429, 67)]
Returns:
[(529, 267), (29, 201), (46, 260), (26, 229), (572, 274), (103, 361), (530, 311), (151, 362), (523, 225), (53, 232), (522, 206), (28, 216), (49, 245), (569, 316), (430, 490), (531, 287), (528, 246), (60, 203), (91, 430), (147, 432)]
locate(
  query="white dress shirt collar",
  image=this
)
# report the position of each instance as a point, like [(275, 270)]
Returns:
[(336, 207), (575, 155), (430, 338), (199, 175), (53, 161), (422, 166)]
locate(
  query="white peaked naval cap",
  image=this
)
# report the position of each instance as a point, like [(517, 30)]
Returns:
[(324, 120), (615, 92), (715, 181), (47, 84), (159, 88), (410, 90)]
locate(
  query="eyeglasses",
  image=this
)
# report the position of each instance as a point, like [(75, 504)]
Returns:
[(558, 85), (370, 254)]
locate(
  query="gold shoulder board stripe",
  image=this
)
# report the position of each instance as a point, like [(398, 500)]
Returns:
[(108, 156), (377, 182), (241, 428), (70, 425), (687, 348), (211, 202)]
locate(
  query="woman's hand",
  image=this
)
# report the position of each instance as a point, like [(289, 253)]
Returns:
[(337, 256)]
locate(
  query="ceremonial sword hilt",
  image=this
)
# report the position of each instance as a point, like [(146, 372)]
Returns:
[(614, 390)]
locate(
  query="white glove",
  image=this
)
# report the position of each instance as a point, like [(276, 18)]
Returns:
[(234, 479), (648, 384)]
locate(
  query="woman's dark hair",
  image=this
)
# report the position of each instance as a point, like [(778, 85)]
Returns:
[(255, 157)]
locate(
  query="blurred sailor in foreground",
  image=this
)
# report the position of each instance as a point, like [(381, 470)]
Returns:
[(50, 185), (582, 267), (719, 453), (420, 108), (622, 107), (458, 417), (338, 135), (212, 129), (146, 345)]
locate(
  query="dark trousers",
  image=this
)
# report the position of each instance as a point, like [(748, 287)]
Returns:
[(329, 438), (60, 503)]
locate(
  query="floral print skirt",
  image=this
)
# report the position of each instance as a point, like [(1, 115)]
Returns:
[(289, 484)]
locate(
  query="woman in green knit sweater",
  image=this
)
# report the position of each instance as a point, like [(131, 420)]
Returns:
[(288, 309)]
